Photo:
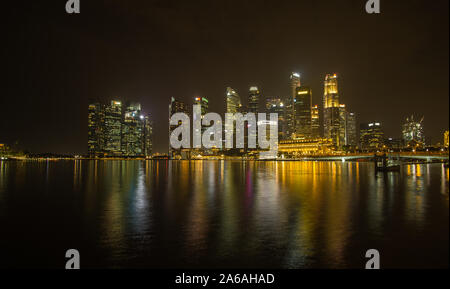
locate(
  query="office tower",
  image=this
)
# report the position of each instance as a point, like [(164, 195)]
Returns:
[(412, 132), (302, 109), (253, 107), (233, 101), (331, 110), (315, 122), (294, 83), (203, 102), (175, 106), (371, 136), (112, 128), (351, 131), (132, 131), (148, 136), (114, 131), (446, 139), (96, 140), (233, 105), (342, 125), (276, 105), (253, 99)]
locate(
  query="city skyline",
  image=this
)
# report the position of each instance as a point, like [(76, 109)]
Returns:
[(380, 80), (122, 130), (225, 142)]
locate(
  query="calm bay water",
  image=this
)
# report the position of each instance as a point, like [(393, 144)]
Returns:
[(222, 214)]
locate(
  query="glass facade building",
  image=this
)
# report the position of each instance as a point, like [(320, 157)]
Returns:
[(132, 143), (233, 101), (96, 119), (351, 130), (113, 128), (302, 108), (371, 136), (254, 96), (294, 83), (276, 105), (315, 121), (114, 131), (331, 110)]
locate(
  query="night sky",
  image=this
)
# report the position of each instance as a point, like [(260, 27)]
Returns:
[(390, 65)]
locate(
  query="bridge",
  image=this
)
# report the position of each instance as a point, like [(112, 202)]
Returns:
[(403, 156)]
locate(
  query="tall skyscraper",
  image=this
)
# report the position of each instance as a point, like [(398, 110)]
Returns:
[(203, 102), (114, 131), (294, 83), (413, 132), (96, 119), (113, 128), (446, 139), (302, 109), (276, 105), (233, 101), (342, 125), (331, 110), (132, 142), (148, 136), (351, 130), (175, 106), (371, 136), (233, 105), (253, 106), (253, 99), (315, 122)]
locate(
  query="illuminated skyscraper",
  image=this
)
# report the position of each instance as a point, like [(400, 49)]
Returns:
[(253, 99), (96, 139), (342, 125), (294, 83), (446, 139), (176, 106), (302, 109), (112, 128), (234, 105), (351, 131), (315, 122), (203, 102), (113, 131), (371, 136), (276, 105), (331, 110), (148, 136), (132, 141), (253, 107), (233, 101), (413, 132)]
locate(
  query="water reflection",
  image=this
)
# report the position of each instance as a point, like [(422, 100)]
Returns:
[(234, 214)]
